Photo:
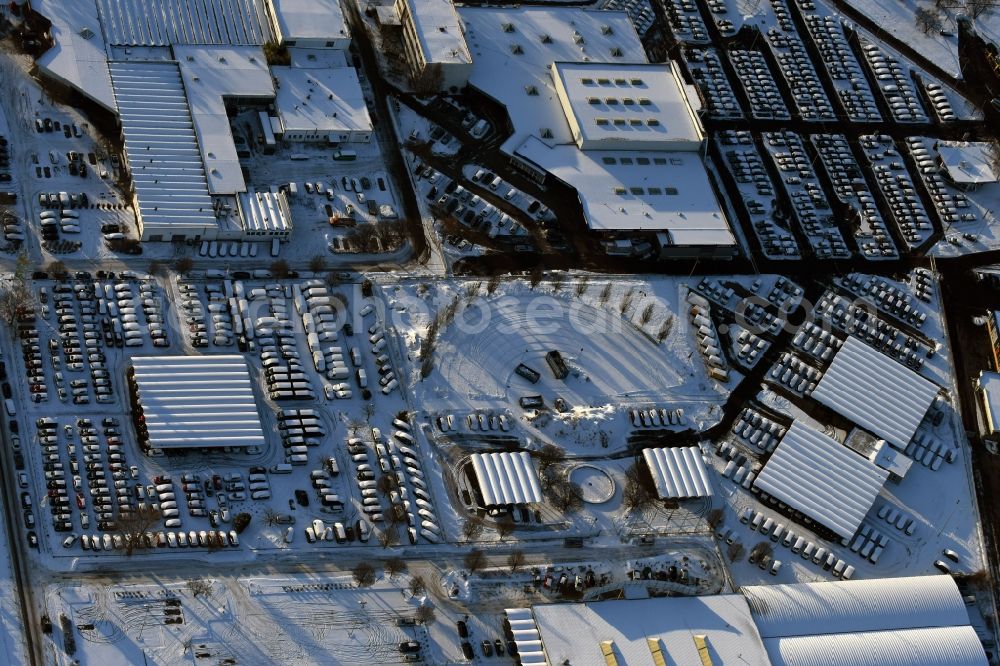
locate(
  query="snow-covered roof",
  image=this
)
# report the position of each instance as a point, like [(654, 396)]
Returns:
[(626, 106), (197, 401), (947, 646), (265, 212), (136, 23), (507, 478), (839, 607), (439, 31), (968, 163), (324, 100), (161, 146), (678, 472), (635, 628), (309, 19), (630, 190), (919, 620), (526, 636), (541, 36), (876, 392), (822, 478), (78, 58), (890, 459), (211, 74)]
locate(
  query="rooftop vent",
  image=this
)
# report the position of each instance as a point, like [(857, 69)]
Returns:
[(644, 101), (610, 101), (587, 81), (620, 190), (601, 121), (531, 90), (546, 133), (546, 39), (594, 100), (508, 27), (606, 30), (652, 122), (86, 33), (516, 49), (636, 82)]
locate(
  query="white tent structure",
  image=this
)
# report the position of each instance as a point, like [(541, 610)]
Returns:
[(879, 394), (822, 478), (920, 620), (507, 478), (197, 401), (526, 637), (678, 472)]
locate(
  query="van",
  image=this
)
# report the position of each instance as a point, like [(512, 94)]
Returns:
[(281, 469), (799, 544), (8, 404), (390, 387), (496, 183), (339, 532), (298, 459), (362, 378)]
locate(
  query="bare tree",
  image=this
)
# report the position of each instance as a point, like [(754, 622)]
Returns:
[(714, 518), (429, 80), (386, 484), (472, 528), (647, 314), (425, 614), (556, 279), (395, 565), (605, 293), (133, 524), (665, 328), (199, 587), (504, 526), (636, 495), (417, 585), (474, 560), (317, 263), (156, 267), (55, 267), (549, 455), (388, 537), (626, 301), (17, 299), (271, 516), (581, 286), (735, 551), (976, 8), (183, 265), (564, 495), (927, 20), (516, 560), (535, 276), (760, 551), (364, 574), (279, 268), (493, 284)]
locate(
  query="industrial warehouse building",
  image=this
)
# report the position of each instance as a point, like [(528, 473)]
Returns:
[(823, 479), (874, 391), (192, 402), (918, 621)]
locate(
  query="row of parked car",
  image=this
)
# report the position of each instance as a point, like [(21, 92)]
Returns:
[(827, 33), (747, 168), (811, 208), (897, 188), (796, 66), (707, 71), (685, 21), (850, 187), (952, 206), (758, 83), (171, 539), (895, 83)]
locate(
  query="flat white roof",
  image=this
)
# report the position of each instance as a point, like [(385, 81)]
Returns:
[(543, 36), (967, 162), (822, 478), (632, 190), (874, 391), (197, 401), (265, 212), (309, 19), (78, 61), (439, 31), (641, 104), (507, 478), (678, 472), (137, 23), (325, 100), (573, 633), (161, 146), (210, 74)]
